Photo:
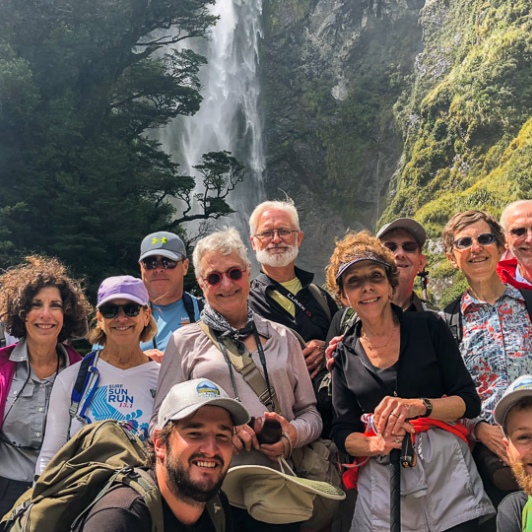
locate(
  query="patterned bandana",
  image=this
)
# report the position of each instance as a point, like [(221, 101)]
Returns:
[(217, 322)]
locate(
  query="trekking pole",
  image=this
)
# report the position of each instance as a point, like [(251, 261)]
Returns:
[(395, 491)]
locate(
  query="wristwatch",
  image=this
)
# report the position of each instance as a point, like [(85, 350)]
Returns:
[(427, 403)]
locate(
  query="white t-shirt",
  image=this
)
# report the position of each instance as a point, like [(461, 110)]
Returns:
[(120, 394)]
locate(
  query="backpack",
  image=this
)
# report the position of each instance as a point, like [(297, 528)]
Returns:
[(189, 306), (452, 314), (85, 468), (100, 456)]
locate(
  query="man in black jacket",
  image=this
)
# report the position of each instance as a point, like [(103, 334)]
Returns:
[(282, 292)]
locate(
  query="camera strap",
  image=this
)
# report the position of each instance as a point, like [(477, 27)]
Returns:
[(245, 365)]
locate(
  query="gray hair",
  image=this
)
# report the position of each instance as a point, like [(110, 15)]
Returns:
[(226, 242), (286, 206), (509, 208)]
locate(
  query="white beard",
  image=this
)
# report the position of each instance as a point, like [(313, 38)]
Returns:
[(278, 260)]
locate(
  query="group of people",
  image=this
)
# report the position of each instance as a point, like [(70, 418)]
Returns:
[(367, 363)]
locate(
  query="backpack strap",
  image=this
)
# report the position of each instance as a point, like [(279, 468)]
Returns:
[(191, 305), (216, 513), (87, 369), (452, 315), (246, 366), (2, 335), (142, 482), (319, 296), (527, 296), (348, 318)]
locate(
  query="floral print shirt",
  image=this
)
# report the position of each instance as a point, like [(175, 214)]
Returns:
[(496, 344)]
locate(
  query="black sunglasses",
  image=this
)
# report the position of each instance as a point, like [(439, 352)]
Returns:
[(485, 239), (111, 311), (215, 278), (409, 247), (520, 231), (151, 263)]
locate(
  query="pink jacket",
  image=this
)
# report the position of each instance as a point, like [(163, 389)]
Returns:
[(7, 371)]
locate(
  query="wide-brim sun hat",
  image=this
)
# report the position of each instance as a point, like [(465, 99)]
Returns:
[(273, 496)]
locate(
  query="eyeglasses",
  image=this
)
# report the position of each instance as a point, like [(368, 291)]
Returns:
[(520, 231), (214, 278), (408, 247), (281, 233), (111, 311), (152, 263), (485, 239)]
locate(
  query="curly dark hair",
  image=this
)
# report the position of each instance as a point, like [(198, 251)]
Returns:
[(352, 246), (20, 284)]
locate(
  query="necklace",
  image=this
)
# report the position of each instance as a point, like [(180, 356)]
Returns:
[(373, 346)]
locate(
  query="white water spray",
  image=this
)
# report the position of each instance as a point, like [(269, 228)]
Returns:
[(229, 117)]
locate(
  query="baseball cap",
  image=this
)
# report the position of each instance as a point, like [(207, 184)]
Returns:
[(364, 256), (162, 243), (408, 225), (185, 398), (123, 287), (520, 388)]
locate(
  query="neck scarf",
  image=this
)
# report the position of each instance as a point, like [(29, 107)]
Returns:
[(218, 323)]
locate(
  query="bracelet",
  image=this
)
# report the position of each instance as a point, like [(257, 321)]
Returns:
[(290, 448)]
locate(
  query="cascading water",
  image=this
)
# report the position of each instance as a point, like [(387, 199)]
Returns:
[(229, 117)]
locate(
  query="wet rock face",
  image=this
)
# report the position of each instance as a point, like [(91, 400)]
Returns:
[(331, 71)]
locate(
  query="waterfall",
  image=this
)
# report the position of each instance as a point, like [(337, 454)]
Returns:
[(229, 116)]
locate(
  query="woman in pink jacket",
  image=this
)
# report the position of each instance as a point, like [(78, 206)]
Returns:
[(42, 306)]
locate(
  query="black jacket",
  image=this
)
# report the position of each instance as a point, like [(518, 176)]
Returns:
[(312, 325)]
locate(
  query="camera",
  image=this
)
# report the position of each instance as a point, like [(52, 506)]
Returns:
[(270, 431)]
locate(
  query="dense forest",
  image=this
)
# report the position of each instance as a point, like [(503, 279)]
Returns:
[(372, 109), (81, 84)]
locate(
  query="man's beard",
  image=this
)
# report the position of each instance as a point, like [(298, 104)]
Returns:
[(278, 260), (184, 487), (523, 478)]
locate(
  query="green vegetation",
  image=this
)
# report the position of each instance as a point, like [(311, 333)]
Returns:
[(81, 86)]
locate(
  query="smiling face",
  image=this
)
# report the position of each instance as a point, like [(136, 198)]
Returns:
[(519, 441), (520, 245), (409, 263), (122, 329), (44, 319), (367, 289), (276, 251), (165, 286), (197, 455), (478, 262), (229, 297)]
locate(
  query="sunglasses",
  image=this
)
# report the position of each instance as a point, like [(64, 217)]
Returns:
[(520, 231), (408, 247), (152, 263), (485, 239), (214, 278), (111, 311)]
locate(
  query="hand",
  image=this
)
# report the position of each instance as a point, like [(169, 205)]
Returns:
[(244, 438), (329, 352), (274, 451), (155, 354), (314, 354), (392, 413), (491, 436), (384, 444)]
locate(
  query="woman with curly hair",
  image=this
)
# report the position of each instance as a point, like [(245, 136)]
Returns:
[(42, 306), (396, 373)]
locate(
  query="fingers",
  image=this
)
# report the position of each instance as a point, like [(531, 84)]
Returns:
[(155, 355), (314, 354), (391, 417), (244, 438)]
